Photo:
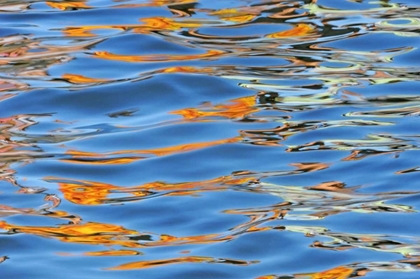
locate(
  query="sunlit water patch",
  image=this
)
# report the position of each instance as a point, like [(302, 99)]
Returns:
[(209, 139)]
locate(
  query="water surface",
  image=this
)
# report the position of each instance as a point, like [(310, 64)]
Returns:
[(209, 139)]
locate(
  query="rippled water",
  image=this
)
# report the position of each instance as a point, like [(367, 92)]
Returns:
[(211, 139)]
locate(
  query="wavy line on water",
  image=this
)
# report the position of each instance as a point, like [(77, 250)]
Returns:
[(179, 260), (354, 270), (85, 192)]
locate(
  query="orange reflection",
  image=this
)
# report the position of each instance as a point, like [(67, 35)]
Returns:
[(180, 260), (66, 5), (87, 193), (89, 233), (80, 79), (187, 69), (148, 25), (299, 30), (103, 161), (92, 192), (166, 240), (235, 15), (239, 108), (333, 186), (85, 31), (247, 13), (155, 3), (310, 167), (155, 57), (188, 147), (112, 253), (163, 23), (340, 272), (101, 158)]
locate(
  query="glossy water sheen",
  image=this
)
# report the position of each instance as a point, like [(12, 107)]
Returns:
[(211, 139)]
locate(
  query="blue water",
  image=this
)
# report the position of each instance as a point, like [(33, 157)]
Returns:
[(210, 139)]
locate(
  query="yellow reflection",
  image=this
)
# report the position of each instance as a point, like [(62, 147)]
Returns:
[(87, 193), (148, 25), (159, 3), (186, 147), (89, 233), (68, 5), (168, 24), (239, 108), (112, 253), (188, 69), (80, 79), (234, 15), (91, 192), (298, 31), (340, 272), (155, 57), (85, 31)]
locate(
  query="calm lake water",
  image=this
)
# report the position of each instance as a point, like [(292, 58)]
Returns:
[(239, 139)]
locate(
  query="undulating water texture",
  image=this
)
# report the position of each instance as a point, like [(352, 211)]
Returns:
[(241, 139)]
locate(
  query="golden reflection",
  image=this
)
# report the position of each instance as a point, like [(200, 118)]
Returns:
[(244, 14), (68, 5), (239, 108), (86, 31), (155, 3), (340, 272), (357, 270), (148, 25), (180, 260), (92, 192), (155, 57), (82, 157), (89, 233), (166, 24), (80, 79), (159, 3), (113, 253), (236, 15), (86, 192), (169, 240), (188, 69), (299, 30), (267, 277), (31, 56)]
